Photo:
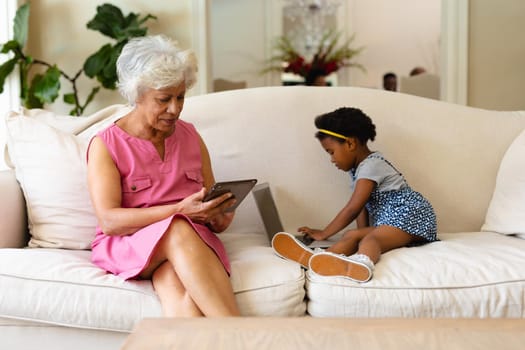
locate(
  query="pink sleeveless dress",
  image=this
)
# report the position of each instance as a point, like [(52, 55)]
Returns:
[(147, 180)]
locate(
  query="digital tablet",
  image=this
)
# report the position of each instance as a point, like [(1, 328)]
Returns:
[(239, 189)]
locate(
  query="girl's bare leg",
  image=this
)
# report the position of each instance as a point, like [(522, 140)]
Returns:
[(382, 239), (368, 243), (349, 243)]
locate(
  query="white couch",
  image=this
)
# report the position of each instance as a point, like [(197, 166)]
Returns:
[(450, 153)]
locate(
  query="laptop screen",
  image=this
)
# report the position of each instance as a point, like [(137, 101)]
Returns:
[(267, 209)]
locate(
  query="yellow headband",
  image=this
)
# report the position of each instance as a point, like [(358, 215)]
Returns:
[(331, 133)]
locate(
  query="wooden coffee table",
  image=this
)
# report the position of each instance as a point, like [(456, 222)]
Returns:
[(327, 333)]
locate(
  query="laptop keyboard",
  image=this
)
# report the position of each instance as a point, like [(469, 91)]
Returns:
[(305, 239)]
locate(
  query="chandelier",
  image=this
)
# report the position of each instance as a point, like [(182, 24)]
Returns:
[(309, 21)]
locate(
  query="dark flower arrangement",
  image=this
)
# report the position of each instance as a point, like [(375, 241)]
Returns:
[(328, 59)]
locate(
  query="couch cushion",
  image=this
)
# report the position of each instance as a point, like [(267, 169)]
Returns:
[(264, 284), (506, 213), (50, 164), (463, 275), (63, 287), (51, 169)]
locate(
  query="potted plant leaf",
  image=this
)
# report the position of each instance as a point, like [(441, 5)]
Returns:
[(40, 88)]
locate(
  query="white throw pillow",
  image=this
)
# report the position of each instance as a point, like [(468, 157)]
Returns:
[(506, 212), (50, 164)]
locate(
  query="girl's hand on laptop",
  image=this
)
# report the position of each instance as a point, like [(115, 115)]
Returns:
[(312, 232)]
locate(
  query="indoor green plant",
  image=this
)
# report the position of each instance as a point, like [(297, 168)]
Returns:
[(39, 89)]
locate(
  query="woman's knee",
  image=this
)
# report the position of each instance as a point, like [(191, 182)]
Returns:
[(179, 232), (181, 241)]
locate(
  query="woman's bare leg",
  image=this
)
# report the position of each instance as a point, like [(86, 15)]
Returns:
[(175, 300), (201, 272), (198, 268)]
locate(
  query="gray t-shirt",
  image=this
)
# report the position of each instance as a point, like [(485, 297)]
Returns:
[(377, 169)]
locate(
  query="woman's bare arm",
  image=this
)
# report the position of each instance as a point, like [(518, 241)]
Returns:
[(106, 194)]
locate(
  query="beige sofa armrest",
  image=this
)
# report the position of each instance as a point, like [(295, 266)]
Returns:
[(13, 218)]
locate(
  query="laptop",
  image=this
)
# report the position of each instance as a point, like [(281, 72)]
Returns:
[(272, 221)]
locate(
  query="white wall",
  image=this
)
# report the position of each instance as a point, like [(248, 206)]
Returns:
[(58, 34), (238, 40), (497, 55), (397, 36), (242, 30)]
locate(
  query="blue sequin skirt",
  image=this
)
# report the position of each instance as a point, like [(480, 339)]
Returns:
[(405, 209)]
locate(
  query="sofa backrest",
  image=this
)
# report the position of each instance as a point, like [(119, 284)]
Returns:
[(448, 152)]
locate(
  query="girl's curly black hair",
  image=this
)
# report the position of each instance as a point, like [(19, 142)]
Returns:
[(347, 121)]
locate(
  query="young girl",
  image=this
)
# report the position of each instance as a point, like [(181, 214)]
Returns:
[(388, 213)]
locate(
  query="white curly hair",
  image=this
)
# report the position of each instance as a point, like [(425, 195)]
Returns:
[(153, 62)]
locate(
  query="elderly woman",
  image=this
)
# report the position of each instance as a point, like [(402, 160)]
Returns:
[(148, 173)]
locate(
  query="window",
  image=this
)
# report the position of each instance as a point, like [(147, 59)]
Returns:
[(9, 98)]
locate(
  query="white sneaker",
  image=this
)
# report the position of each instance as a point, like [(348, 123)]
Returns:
[(287, 247), (357, 267)]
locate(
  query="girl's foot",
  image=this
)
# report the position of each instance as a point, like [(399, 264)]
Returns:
[(286, 246), (357, 267)]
